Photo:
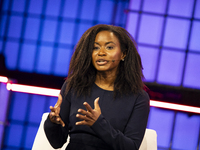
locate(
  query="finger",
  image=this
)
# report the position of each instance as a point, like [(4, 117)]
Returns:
[(84, 112), (88, 107), (83, 117), (52, 108), (60, 121), (81, 123), (56, 119), (54, 111), (52, 117), (96, 103), (52, 114), (87, 113)]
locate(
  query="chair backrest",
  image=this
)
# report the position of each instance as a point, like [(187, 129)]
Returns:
[(149, 141), (40, 143)]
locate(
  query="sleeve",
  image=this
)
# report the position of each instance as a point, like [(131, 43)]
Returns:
[(55, 133), (131, 137)]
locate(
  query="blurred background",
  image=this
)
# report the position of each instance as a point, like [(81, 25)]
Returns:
[(37, 38)]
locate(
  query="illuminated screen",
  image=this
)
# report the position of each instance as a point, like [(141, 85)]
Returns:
[(168, 40)]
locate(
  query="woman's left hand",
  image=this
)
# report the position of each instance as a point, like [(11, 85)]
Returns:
[(90, 116)]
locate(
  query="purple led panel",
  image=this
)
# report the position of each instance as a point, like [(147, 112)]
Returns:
[(106, 9), (5, 5), (162, 121), (51, 101), (1, 134), (11, 54), (66, 32), (3, 25), (121, 16), (14, 135), (186, 132), (19, 105), (150, 29), (30, 136), (26, 62), (49, 30), (81, 29), (176, 33), (35, 6), (181, 7), (88, 10), (62, 62), (132, 23), (32, 29), (44, 61), (37, 102), (155, 6), (192, 72), (1, 43), (4, 101), (149, 60), (53, 7), (195, 37), (197, 9), (18, 5), (171, 67), (134, 4), (15, 27), (71, 8)]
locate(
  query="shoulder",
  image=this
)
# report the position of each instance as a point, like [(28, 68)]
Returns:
[(144, 94), (143, 98), (63, 88), (140, 95), (63, 93)]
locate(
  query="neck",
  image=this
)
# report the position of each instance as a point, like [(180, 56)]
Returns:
[(105, 80)]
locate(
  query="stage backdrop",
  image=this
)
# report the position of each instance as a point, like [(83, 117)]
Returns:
[(38, 36)]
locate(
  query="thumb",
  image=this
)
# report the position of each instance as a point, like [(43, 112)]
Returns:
[(59, 101), (96, 103)]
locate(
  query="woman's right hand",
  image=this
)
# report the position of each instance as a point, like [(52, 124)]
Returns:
[(55, 111)]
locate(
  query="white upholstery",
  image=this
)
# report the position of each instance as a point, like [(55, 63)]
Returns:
[(40, 143), (149, 141)]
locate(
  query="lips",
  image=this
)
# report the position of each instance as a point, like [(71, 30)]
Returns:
[(101, 62)]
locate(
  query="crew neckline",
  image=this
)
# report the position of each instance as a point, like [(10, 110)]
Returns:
[(102, 88)]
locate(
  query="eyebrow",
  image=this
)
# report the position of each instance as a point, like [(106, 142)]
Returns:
[(106, 43)]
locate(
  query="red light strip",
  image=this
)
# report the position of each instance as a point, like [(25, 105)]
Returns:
[(55, 92), (32, 89), (3, 79), (175, 106)]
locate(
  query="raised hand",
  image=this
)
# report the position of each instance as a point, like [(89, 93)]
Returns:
[(55, 111), (90, 116)]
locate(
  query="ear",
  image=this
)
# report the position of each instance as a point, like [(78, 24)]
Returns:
[(123, 56)]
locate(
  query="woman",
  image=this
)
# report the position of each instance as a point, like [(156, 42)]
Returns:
[(102, 104)]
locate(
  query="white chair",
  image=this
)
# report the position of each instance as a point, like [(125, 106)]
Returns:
[(149, 141), (41, 142)]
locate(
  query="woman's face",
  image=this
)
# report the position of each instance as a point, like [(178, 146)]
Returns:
[(106, 54)]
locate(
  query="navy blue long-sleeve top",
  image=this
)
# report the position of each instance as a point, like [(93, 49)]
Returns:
[(121, 125)]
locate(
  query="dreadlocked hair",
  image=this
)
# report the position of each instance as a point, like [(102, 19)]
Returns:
[(82, 74)]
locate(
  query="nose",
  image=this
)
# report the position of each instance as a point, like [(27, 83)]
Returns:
[(102, 52)]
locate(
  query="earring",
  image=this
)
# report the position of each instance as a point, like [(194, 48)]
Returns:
[(122, 59)]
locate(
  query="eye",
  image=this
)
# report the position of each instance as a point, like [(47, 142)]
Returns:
[(95, 48), (109, 47)]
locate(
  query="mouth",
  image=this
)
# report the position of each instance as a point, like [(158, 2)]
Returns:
[(101, 62)]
